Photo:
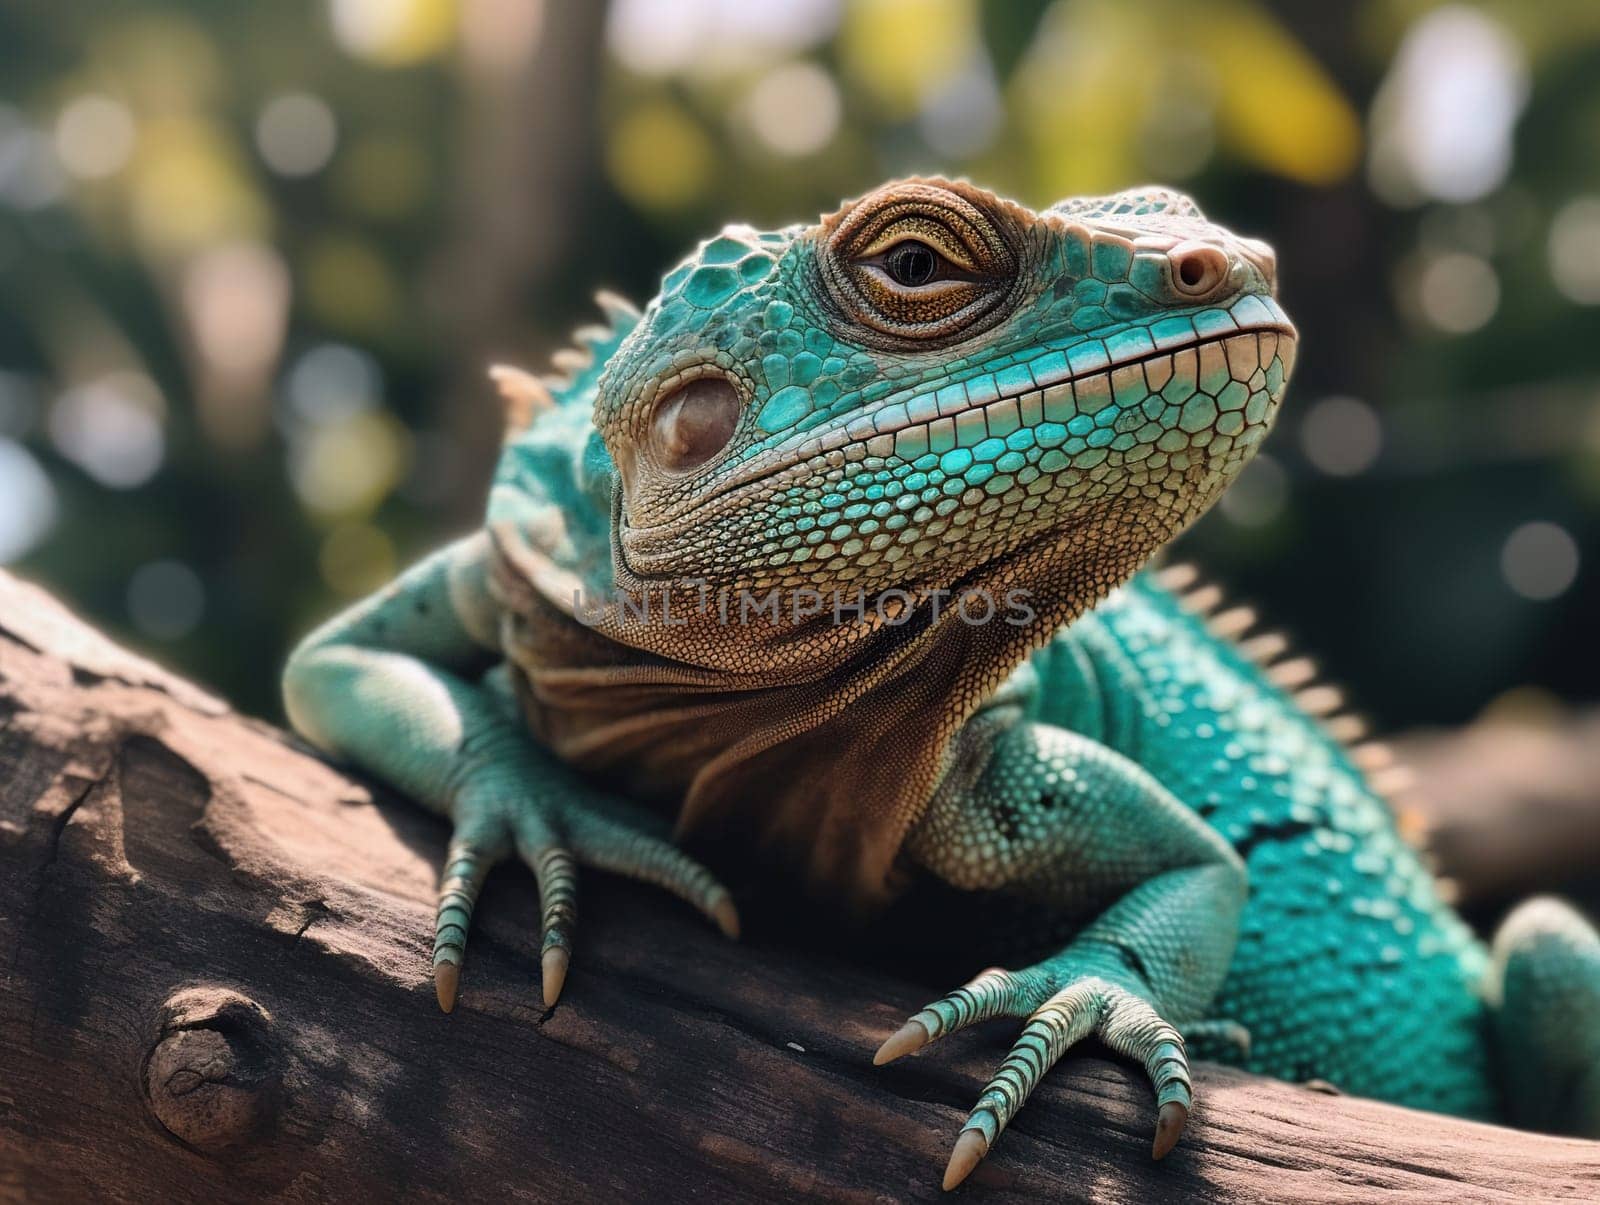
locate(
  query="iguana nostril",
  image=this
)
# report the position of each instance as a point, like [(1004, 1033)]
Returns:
[(1198, 268)]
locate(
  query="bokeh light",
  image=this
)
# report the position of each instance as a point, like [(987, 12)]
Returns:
[(356, 558), (1342, 436), (296, 134), (190, 189), (1540, 560), (95, 136), (349, 284), (30, 174), (1443, 119), (111, 428), (664, 37), (166, 600), (660, 157), (794, 110), (331, 382), (1574, 250), (29, 510), (963, 116), (1456, 292), (236, 301), (347, 466), (393, 33), (901, 51)]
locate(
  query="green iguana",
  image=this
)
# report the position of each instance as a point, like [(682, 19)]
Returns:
[(833, 553)]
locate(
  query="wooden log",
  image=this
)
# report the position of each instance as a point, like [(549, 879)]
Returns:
[(216, 988)]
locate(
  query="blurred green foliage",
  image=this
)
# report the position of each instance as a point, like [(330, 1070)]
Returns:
[(255, 257)]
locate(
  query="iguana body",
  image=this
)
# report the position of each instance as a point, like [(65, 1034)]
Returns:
[(827, 555)]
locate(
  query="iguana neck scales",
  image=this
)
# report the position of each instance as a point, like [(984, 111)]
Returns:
[(826, 555)]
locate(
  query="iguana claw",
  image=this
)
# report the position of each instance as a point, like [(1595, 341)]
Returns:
[(969, 1151), (1058, 1016), (554, 839), (909, 1038), (553, 974), (1170, 1121), (972, 1146), (446, 979)]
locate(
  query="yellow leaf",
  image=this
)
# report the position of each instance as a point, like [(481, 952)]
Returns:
[(1277, 108), (394, 33), (899, 50), (658, 156)]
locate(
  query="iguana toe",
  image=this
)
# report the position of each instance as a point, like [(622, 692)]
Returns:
[(553, 973), (466, 865), (721, 909), (446, 979), (969, 1151), (910, 1037), (1170, 1120)]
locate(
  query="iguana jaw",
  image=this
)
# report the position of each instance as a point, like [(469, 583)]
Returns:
[(908, 427), (1158, 433)]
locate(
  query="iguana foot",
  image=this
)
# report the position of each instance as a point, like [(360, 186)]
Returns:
[(554, 841), (1057, 1017), (1544, 993)]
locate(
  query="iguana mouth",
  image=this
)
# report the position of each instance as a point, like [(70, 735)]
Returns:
[(968, 412), (1062, 390)]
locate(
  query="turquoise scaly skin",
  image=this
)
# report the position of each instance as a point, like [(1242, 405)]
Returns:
[(931, 398), (1342, 919)]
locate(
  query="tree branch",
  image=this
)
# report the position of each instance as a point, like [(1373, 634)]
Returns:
[(216, 987)]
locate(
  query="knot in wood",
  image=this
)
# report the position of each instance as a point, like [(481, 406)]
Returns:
[(214, 1069)]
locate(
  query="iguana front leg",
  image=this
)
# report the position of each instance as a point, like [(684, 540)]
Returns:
[(1047, 813), (397, 685)]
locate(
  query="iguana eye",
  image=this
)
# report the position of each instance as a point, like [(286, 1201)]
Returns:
[(911, 263), (921, 261), (694, 422)]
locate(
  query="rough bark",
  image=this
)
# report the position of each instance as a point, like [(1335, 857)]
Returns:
[(215, 988)]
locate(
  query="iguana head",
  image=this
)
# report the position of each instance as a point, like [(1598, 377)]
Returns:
[(931, 394), (933, 379)]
